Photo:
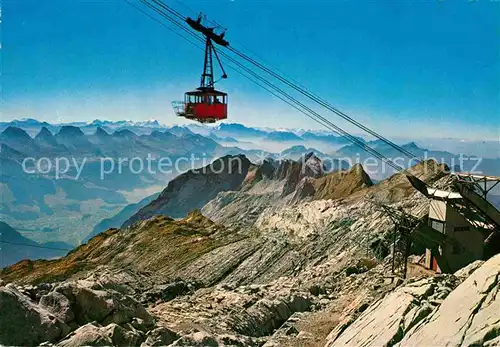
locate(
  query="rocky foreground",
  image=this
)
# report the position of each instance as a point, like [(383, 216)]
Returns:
[(284, 256)]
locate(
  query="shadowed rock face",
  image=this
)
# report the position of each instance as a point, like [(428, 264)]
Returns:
[(292, 172), (267, 185), (18, 313), (195, 188)]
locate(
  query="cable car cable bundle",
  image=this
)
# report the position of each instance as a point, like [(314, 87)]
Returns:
[(210, 110)]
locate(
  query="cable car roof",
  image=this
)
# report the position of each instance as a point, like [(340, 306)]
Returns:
[(206, 91)]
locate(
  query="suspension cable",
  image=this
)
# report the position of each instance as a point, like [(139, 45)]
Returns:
[(325, 122), (35, 246), (231, 67), (169, 9), (303, 91), (323, 103)]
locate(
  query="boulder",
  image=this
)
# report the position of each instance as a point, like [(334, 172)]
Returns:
[(167, 291), (267, 315), (23, 322), (103, 306), (160, 336), (59, 305), (91, 305), (121, 336), (466, 271), (125, 309), (197, 339), (87, 335)]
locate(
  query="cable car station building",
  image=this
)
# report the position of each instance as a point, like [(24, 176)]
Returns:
[(462, 225)]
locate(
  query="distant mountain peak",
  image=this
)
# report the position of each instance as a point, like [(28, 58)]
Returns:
[(27, 122), (298, 151), (100, 132), (70, 131), (231, 126), (16, 133), (124, 133), (46, 137), (151, 122), (177, 199), (30, 120), (283, 136), (180, 130), (296, 148), (411, 145), (160, 134), (44, 133), (341, 184)]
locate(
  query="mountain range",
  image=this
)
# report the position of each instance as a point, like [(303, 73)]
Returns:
[(47, 209), (282, 253), (75, 200)]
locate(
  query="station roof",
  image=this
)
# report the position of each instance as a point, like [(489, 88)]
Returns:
[(442, 194), (477, 177)]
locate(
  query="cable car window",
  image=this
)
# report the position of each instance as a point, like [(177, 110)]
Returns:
[(437, 225)]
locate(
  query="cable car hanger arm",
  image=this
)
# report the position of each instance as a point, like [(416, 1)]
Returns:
[(224, 75)]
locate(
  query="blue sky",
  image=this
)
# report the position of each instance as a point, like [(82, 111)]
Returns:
[(403, 67)]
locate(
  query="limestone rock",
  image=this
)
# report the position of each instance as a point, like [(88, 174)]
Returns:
[(104, 306), (167, 291), (466, 271), (292, 172), (341, 184), (197, 339), (160, 336), (469, 316), (267, 315), (59, 305), (121, 336), (385, 322), (23, 322), (87, 335), (194, 188)]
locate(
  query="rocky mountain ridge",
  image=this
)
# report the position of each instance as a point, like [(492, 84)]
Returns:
[(266, 269)]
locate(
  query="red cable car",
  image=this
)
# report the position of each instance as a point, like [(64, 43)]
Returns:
[(205, 104)]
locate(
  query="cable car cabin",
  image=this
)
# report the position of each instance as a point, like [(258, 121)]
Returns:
[(204, 106)]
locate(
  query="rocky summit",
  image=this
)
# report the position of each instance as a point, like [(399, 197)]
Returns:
[(278, 253)]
